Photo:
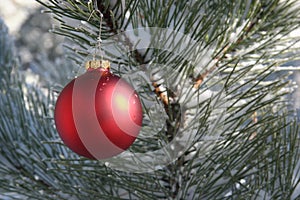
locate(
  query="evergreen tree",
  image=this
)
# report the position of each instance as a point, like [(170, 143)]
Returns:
[(218, 122)]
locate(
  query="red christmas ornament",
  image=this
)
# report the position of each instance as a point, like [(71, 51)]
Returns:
[(98, 114)]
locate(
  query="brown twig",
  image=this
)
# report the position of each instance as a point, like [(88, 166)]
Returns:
[(200, 78), (160, 94)]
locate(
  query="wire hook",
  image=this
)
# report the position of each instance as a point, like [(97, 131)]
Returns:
[(99, 40)]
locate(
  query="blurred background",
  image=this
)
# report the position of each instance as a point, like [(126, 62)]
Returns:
[(40, 51)]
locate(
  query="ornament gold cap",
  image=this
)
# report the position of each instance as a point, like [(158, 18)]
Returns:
[(94, 64)]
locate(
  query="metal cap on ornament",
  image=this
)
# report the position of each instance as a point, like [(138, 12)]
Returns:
[(94, 64)]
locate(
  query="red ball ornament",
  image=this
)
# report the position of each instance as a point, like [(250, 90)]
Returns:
[(98, 114)]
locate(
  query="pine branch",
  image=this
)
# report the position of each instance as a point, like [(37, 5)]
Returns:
[(236, 167), (229, 47)]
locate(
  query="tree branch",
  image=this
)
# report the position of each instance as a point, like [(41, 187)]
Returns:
[(200, 78)]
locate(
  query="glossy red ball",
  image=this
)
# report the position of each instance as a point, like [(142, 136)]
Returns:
[(98, 114)]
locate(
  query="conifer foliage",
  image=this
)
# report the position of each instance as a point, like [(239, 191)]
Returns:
[(218, 121)]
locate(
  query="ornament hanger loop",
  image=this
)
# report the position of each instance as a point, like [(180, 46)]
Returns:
[(99, 40)]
